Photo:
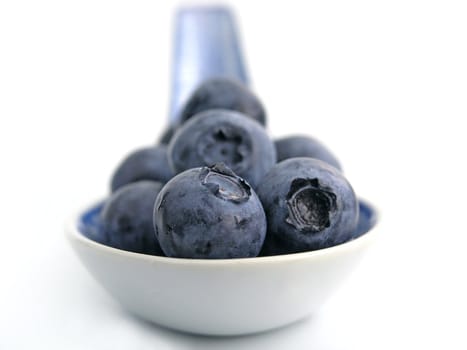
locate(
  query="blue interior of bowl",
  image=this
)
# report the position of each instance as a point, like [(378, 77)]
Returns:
[(89, 224)]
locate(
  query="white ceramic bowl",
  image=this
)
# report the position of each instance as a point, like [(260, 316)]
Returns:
[(220, 297)]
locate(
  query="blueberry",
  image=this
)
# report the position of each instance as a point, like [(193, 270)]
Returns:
[(167, 135), (127, 218), (304, 146), (309, 205), (210, 213), (144, 164), (218, 135), (222, 93)]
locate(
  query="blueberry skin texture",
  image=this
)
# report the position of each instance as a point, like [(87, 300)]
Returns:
[(209, 213), (229, 137), (304, 146), (222, 93), (126, 218), (149, 163), (309, 205)]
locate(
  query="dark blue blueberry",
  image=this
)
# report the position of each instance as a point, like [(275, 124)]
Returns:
[(144, 164), (127, 218), (229, 137), (309, 205), (304, 146), (209, 213), (223, 93), (167, 135)]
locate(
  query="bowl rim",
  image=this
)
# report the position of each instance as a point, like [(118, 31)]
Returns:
[(73, 233)]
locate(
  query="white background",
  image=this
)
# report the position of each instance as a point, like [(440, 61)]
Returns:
[(382, 83)]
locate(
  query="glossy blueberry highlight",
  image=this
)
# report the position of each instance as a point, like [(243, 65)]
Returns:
[(209, 213), (309, 205), (304, 146), (222, 93), (144, 164), (223, 136), (126, 218)]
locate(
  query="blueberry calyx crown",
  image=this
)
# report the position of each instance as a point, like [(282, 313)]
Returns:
[(223, 183), (225, 143), (310, 205)]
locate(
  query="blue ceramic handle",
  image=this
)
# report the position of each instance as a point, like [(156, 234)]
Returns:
[(206, 45)]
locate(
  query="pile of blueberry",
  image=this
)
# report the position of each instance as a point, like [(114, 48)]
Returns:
[(217, 186)]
